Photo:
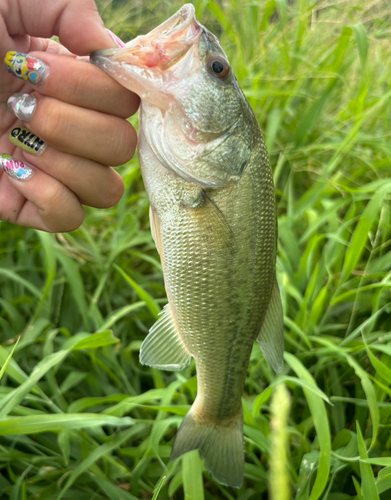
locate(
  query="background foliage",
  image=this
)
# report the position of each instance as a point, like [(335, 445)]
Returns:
[(80, 418)]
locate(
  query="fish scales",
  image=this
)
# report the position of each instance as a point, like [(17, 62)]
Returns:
[(212, 286), (213, 218)]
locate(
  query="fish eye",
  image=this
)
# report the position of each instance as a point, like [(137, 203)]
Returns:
[(219, 67)]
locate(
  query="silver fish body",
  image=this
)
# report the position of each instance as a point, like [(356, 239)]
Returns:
[(213, 218)]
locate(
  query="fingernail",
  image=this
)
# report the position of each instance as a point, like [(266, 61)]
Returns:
[(117, 40), (22, 106), (15, 168), (28, 68), (25, 139)]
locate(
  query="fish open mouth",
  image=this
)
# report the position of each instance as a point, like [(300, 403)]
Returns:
[(162, 47)]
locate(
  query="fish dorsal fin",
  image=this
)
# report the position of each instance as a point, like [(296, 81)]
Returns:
[(163, 348), (271, 335)]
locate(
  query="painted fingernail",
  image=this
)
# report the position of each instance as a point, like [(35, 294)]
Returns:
[(25, 139), (22, 106), (15, 168), (117, 40), (28, 68)]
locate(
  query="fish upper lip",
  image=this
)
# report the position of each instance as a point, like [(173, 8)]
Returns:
[(160, 48), (186, 14)]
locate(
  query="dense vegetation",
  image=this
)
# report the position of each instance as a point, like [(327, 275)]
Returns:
[(80, 418)]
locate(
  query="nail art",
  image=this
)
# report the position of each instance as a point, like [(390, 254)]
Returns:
[(28, 68), (22, 106), (24, 139), (15, 168), (116, 39)]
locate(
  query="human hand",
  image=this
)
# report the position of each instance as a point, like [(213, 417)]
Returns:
[(80, 116)]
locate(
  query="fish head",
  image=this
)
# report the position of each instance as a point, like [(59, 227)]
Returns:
[(195, 116)]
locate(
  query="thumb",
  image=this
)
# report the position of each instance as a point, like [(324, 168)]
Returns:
[(76, 22), (81, 29)]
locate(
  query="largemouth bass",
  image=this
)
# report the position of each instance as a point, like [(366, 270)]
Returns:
[(213, 218)]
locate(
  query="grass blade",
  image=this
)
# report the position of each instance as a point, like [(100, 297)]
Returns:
[(99, 452), (144, 296), (321, 423), (278, 475), (34, 424), (192, 476), (368, 485), (5, 364)]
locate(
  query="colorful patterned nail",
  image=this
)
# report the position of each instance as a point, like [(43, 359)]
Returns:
[(15, 168), (28, 68), (22, 106), (23, 138)]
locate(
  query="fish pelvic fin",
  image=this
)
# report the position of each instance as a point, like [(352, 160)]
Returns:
[(271, 335), (163, 348), (221, 446)]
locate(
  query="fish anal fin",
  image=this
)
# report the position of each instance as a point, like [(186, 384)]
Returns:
[(271, 335), (163, 348)]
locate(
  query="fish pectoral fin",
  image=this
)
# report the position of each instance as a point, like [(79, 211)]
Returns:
[(271, 335), (155, 230), (163, 348), (215, 225)]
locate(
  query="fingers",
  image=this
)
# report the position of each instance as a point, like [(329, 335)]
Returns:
[(40, 201), (86, 123), (76, 22), (82, 132), (94, 184), (29, 196), (72, 81)]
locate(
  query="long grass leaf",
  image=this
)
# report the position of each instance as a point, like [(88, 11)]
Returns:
[(192, 476), (144, 296), (321, 423), (5, 364), (33, 424), (99, 452), (368, 485)]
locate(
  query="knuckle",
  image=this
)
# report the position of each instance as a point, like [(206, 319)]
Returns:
[(130, 103), (51, 122), (72, 222), (53, 198), (114, 191), (60, 209), (124, 143), (76, 221), (5, 216), (74, 85)]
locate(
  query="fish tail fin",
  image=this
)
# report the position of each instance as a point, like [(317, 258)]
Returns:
[(221, 446)]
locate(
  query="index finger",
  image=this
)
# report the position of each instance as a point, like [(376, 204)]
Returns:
[(76, 22), (73, 81)]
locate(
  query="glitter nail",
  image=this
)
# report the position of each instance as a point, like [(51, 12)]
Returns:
[(23, 106), (16, 169)]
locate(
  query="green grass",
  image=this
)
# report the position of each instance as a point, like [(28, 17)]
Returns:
[(80, 418)]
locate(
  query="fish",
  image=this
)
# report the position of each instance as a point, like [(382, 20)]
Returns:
[(213, 218)]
